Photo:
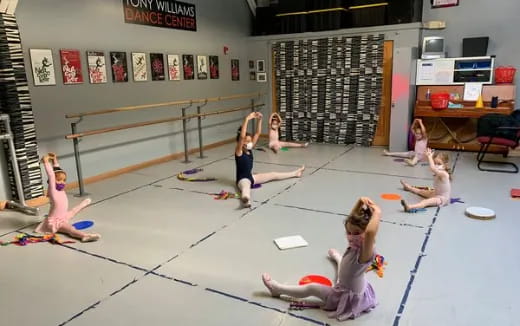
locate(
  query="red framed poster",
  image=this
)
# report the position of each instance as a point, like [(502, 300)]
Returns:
[(71, 67)]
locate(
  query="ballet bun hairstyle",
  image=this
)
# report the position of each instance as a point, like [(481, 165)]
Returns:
[(239, 131), (360, 218)]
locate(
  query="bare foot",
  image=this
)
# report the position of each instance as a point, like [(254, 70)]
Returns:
[(91, 237), (405, 206), (406, 186), (385, 152), (246, 201), (410, 162), (299, 172), (334, 255), (306, 145), (268, 282)]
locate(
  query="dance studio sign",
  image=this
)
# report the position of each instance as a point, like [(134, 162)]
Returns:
[(161, 13)]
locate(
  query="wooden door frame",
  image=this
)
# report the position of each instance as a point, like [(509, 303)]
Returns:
[(386, 97)]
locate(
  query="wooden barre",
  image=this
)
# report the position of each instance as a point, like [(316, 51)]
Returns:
[(153, 122), (158, 105)]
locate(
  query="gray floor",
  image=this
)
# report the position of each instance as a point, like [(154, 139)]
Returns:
[(171, 254)]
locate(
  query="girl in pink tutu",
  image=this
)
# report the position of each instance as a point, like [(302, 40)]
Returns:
[(59, 217), (440, 195), (421, 143), (274, 142), (352, 294)]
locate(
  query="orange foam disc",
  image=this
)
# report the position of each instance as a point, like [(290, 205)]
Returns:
[(391, 196), (315, 279)]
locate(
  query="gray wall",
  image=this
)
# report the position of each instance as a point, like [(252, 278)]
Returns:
[(472, 18), (99, 25), (406, 39)]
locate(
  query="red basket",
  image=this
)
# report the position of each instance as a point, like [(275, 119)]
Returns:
[(439, 101), (504, 75)]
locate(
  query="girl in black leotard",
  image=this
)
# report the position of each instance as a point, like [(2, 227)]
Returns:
[(244, 161)]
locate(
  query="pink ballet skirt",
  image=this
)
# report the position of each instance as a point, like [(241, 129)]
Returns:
[(352, 295), (345, 304)]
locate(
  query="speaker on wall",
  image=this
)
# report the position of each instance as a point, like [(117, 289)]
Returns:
[(404, 11)]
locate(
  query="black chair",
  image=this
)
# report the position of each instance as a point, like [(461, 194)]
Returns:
[(499, 130)]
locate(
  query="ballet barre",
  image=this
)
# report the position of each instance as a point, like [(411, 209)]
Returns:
[(76, 135)]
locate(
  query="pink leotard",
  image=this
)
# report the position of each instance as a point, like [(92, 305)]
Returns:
[(58, 213)]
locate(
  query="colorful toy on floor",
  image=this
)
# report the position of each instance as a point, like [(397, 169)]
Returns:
[(391, 196), (378, 265), (515, 193), (315, 279), (25, 239), (456, 200), (416, 210), (284, 149), (300, 305), (82, 225), (183, 176), (225, 195), (423, 187)]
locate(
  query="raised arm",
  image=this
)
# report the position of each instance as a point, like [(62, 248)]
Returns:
[(413, 124), (258, 117), (370, 231), (243, 133), (54, 158), (50, 173), (421, 125)]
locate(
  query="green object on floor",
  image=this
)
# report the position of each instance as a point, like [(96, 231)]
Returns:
[(285, 149)]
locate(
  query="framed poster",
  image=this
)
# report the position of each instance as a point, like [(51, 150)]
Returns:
[(139, 66), (97, 70), (71, 67), (260, 66), (252, 75), (202, 67), (174, 64), (119, 66), (261, 77), (444, 3), (157, 63), (213, 67), (235, 69), (187, 66), (42, 67)]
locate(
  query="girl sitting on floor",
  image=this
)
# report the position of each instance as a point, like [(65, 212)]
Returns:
[(244, 161), (274, 143), (441, 192), (421, 142), (58, 220), (352, 294)]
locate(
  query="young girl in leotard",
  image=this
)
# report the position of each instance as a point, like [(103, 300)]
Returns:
[(352, 294), (421, 143), (274, 142), (59, 217), (244, 161), (441, 193)]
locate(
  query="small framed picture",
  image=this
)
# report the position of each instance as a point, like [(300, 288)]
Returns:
[(261, 77), (252, 75), (251, 64), (260, 66), (444, 3)]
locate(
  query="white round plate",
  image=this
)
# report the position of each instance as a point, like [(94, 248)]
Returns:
[(480, 213)]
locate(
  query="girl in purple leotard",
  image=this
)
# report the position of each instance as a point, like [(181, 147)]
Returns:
[(352, 294)]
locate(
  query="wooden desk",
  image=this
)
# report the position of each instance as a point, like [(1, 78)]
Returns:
[(456, 128)]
